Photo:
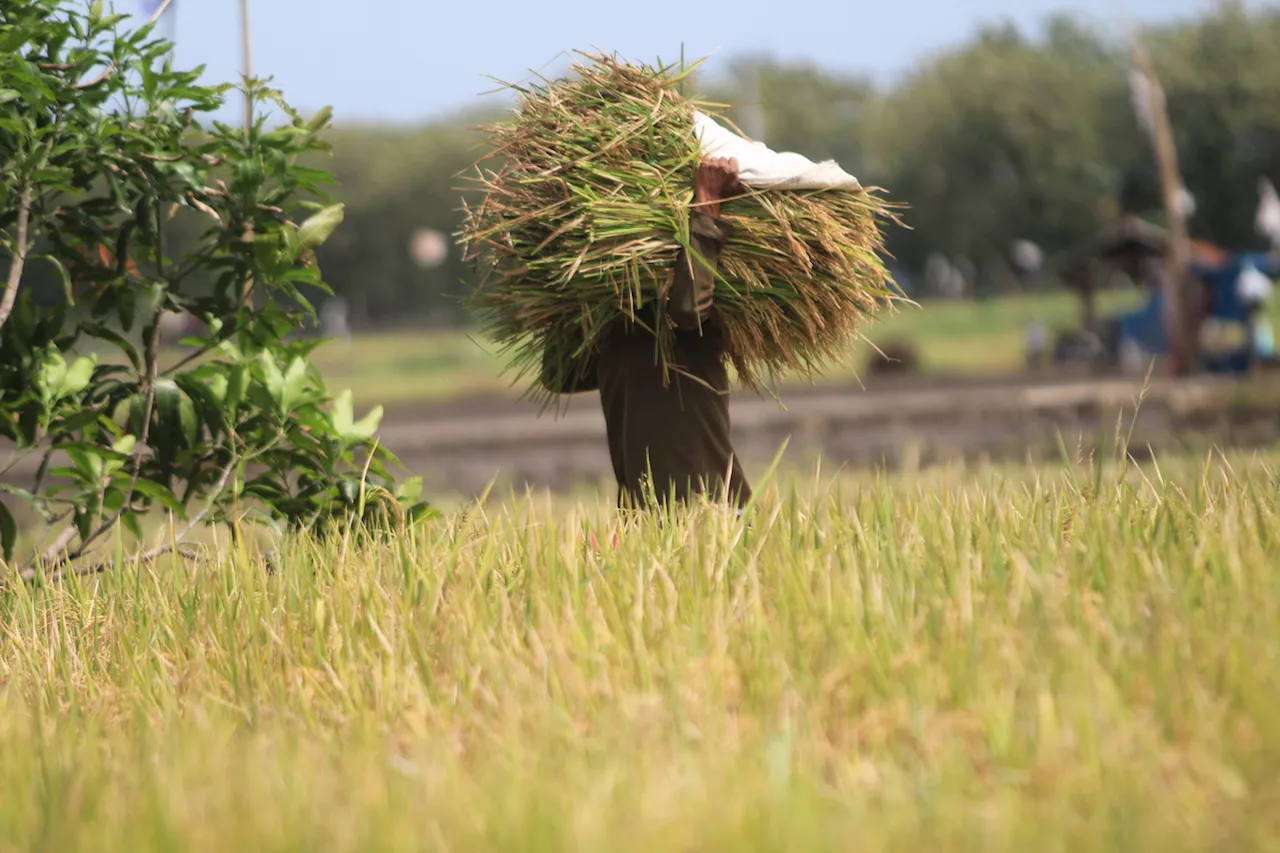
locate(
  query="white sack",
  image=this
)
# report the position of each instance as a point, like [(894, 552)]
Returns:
[(761, 168), (1253, 285), (1267, 220)]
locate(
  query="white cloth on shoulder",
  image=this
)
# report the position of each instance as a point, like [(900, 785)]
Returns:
[(760, 167)]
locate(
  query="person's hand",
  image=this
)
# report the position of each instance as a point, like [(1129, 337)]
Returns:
[(716, 178)]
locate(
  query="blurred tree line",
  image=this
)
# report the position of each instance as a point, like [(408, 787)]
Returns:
[(1010, 137)]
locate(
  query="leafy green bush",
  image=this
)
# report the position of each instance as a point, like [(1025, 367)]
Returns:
[(101, 145)]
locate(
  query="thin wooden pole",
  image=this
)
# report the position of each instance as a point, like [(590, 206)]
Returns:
[(246, 58), (246, 51), (1179, 310)]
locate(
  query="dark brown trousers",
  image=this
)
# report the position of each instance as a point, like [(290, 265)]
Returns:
[(668, 439)]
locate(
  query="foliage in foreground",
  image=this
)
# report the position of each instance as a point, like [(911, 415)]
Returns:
[(100, 147), (588, 207), (1060, 661)]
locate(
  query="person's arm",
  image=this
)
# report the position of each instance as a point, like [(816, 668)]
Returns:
[(693, 286), (691, 296)]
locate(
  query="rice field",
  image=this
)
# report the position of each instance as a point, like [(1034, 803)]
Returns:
[(1079, 657)]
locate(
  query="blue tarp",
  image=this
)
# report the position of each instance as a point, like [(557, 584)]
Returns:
[(1145, 326)]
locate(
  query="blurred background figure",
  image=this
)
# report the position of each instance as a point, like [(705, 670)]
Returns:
[(1028, 264), (942, 278), (334, 319), (1037, 344)]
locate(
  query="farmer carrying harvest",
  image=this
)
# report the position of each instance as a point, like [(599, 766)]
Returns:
[(672, 428)]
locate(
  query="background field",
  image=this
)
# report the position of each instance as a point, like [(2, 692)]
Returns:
[(952, 338), (1072, 658)]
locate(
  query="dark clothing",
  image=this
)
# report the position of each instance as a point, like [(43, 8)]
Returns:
[(675, 427)]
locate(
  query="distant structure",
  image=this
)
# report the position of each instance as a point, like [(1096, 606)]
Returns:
[(335, 316)]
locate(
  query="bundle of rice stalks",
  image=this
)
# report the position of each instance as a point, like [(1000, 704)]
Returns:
[(586, 205)]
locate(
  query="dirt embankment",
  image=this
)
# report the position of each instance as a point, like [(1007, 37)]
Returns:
[(463, 445)]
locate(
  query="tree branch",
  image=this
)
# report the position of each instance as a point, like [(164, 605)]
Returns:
[(199, 517), (204, 350), (186, 551), (97, 81), (31, 572), (19, 257), (111, 69), (55, 550), (155, 16), (149, 383), (58, 545)]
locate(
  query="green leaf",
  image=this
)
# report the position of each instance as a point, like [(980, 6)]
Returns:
[(410, 489), (189, 421), (320, 119), (176, 419), (53, 372), (349, 488), (259, 396), (8, 533), (217, 387), (102, 333), (424, 512), (112, 500), (237, 381), (67, 288), (137, 412), (229, 349), (7, 95), (317, 227), (343, 418), (84, 519), (125, 445), (368, 425), (343, 413), (273, 379), (207, 392), (160, 494), (88, 461), (295, 383), (127, 309), (79, 375), (131, 523)]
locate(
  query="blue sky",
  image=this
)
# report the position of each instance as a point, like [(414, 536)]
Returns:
[(409, 60)]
